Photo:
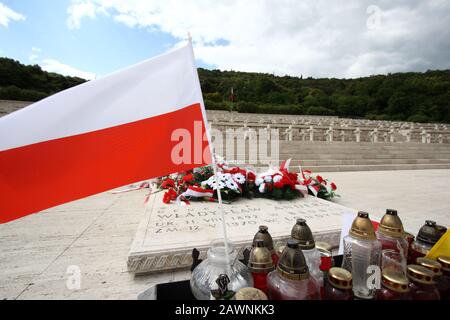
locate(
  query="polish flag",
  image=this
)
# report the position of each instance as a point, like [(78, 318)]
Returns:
[(130, 126)]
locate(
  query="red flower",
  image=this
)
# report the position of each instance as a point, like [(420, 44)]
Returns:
[(333, 186), (169, 196), (237, 170), (251, 176), (319, 179), (168, 183), (278, 185), (188, 178)]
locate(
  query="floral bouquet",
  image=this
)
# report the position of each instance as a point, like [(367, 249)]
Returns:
[(235, 182), (201, 184), (279, 184), (317, 186)]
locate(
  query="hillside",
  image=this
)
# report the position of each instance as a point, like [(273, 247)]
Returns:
[(30, 83), (417, 97)]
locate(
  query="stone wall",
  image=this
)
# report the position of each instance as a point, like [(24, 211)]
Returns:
[(8, 106)]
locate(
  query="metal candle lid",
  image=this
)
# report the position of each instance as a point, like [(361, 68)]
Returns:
[(303, 234), (362, 227), (340, 278), (391, 225), (431, 265), (292, 264), (260, 260), (395, 281), (420, 274), (445, 262), (263, 234), (250, 294), (429, 233)]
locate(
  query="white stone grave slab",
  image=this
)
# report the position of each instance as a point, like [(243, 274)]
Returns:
[(167, 234)]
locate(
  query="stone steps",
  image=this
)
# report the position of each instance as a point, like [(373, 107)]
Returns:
[(339, 144), (344, 156), (380, 167), (363, 156), (358, 156), (365, 150), (367, 167), (373, 162), (330, 147)]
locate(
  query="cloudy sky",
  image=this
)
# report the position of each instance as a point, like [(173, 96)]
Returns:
[(348, 38)]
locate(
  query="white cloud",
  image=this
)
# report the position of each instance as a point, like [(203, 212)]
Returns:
[(79, 10), (52, 65), (315, 38), (34, 55), (7, 15)]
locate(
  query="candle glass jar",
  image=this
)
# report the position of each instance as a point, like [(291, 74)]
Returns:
[(427, 237), (442, 283), (392, 261), (204, 276), (422, 284), (361, 251), (291, 280), (445, 263), (392, 235), (394, 286), (263, 234), (326, 263), (339, 285), (260, 264), (303, 234)]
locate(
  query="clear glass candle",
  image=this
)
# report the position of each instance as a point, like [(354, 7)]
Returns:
[(392, 236), (361, 251), (204, 276)]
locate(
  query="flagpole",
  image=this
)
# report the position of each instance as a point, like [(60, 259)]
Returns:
[(213, 159)]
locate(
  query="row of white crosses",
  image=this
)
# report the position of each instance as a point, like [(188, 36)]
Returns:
[(329, 134), (374, 135), (319, 121)]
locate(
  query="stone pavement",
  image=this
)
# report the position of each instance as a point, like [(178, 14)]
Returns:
[(417, 194), (95, 234)]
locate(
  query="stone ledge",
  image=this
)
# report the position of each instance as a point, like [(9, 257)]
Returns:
[(167, 234)]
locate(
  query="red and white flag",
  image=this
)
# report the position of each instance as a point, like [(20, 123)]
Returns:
[(103, 134)]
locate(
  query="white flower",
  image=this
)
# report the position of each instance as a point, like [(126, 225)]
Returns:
[(232, 185), (268, 179), (262, 188), (221, 186), (277, 178), (259, 181), (225, 181), (239, 178)]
